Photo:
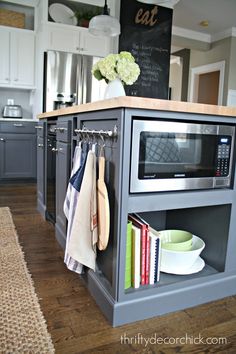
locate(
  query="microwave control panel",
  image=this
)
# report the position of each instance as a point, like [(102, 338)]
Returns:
[(223, 156)]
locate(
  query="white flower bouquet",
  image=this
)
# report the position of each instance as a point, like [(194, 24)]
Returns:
[(117, 66)]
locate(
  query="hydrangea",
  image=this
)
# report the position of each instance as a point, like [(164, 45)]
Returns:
[(121, 66)]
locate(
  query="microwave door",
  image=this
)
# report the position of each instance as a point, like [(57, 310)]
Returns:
[(174, 155)]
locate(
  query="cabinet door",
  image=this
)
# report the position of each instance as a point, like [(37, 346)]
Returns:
[(40, 170), (63, 39), (62, 177), (18, 156), (77, 40), (94, 45), (5, 57), (22, 58)]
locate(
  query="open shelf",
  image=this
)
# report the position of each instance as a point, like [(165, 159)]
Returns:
[(169, 279), (23, 10), (166, 279), (210, 223), (83, 11)]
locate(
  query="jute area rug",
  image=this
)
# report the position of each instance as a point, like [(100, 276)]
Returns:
[(22, 326)]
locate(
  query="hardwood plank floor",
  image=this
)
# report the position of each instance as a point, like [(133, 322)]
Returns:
[(73, 318)]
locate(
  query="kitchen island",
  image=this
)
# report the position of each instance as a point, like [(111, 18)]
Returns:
[(208, 213)]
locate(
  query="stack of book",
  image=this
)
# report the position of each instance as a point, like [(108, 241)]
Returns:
[(142, 253)]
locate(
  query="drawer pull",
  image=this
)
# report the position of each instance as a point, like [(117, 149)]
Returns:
[(40, 145), (61, 129), (18, 125), (38, 127), (61, 150), (54, 150), (1, 139)]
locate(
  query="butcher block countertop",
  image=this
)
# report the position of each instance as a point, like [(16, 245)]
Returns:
[(143, 103)]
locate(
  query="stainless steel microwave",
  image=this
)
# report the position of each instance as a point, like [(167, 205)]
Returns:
[(174, 155)]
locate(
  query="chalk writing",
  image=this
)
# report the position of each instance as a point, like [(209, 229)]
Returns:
[(147, 17)]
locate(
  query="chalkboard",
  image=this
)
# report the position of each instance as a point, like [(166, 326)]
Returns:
[(146, 33)]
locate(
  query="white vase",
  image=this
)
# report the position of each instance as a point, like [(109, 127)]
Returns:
[(114, 88)]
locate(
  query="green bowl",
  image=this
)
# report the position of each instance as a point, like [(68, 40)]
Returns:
[(176, 240)]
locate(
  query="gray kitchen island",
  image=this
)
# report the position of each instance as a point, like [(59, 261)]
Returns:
[(209, 213)]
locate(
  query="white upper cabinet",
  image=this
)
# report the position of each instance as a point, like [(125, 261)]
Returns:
[(22, 66), (17, 58), (76, 40), (94, 45), (5, 57)]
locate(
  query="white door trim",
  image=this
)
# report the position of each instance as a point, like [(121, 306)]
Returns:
[(195, 72)]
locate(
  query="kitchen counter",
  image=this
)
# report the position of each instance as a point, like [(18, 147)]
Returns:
[(143, 103), (18, 119)]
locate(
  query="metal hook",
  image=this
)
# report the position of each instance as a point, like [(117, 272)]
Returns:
[(102, 145)]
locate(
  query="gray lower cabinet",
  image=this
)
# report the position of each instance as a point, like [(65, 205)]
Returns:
[(63, 161), (53, 168), (41, 155), (41, 175), (17, 151)]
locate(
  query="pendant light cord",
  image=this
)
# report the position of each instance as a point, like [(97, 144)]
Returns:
[(105, 9)]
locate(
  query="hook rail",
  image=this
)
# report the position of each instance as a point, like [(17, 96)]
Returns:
[(106, 133)]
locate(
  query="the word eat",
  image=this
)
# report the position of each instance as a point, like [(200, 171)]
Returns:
[(147, 17)]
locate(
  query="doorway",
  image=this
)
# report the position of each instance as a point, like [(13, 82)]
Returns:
[(207, 84)]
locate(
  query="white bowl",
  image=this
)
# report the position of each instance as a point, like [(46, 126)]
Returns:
[(176, 240), (182, 260)]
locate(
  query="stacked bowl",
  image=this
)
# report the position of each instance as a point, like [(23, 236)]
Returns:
[(180, 251)]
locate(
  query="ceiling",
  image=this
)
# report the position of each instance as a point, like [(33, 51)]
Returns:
[(220, 14)]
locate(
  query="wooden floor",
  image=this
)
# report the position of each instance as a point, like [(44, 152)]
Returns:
[(74, 320)]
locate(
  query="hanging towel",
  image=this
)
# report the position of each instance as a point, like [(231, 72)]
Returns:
[(75, 167), (83, 236), (71, 201)]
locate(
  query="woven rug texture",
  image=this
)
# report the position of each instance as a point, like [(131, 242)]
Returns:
[(23, 329)]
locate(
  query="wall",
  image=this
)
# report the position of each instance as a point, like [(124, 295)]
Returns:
[(232, 67), (220, 50), (184, 55), (175, 80), (21, 97)]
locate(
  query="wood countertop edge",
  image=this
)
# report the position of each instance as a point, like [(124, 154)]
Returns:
[(143, 103)]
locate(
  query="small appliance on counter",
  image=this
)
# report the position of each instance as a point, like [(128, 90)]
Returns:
[(12, 110)]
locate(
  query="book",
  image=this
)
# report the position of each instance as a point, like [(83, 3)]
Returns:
[(158, 258), (136, 256), (147, 248), (128, 255), (143, 228), (155, 250)]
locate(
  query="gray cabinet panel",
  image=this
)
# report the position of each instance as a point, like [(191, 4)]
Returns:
[(40, 169), (63, 131), (62, 176), (40, 128), (18, 156)]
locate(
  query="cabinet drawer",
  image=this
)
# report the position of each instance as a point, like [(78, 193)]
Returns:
[(63, 130), (40, 129), (17, 127)]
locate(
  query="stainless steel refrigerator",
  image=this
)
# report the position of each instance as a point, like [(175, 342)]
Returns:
[(68, 80)]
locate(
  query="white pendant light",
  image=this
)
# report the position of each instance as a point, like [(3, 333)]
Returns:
[(104, 25), (168, 3)]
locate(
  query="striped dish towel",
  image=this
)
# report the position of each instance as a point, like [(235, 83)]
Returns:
[(71, 200)]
